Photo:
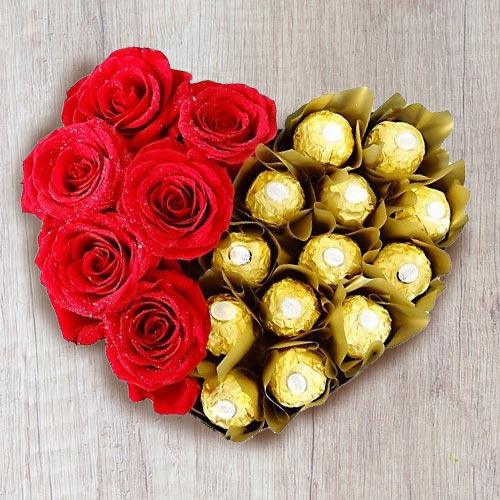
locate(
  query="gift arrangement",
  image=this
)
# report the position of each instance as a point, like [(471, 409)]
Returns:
[(233, 270)]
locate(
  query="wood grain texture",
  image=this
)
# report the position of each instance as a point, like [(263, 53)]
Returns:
[(421, 424)]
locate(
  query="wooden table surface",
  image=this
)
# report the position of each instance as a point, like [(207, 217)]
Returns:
[(420, 424)]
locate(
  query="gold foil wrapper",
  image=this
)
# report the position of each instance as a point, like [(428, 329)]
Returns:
[(243, 258), (402, 149), (438, 174), (298, 377), (290, 307), (434, 127), (365, 322), (354, 105), (275, 198), (335, 338), (406, 321), (326, 137), (432, 209), (332, 257), (229, 321), (406, 267), (231, 402), (312, 218), (351, 200)]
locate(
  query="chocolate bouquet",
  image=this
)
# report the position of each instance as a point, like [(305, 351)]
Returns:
[(236, 271)]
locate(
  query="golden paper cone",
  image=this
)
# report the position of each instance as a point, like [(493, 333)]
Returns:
[(211, 284), (448, 179), (407, 321), (354, 105), (434, 127), (207, 370), (375, 220), (277, 416)]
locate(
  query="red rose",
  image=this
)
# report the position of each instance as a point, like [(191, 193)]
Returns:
[(158, 339), (226, 122), (78, 329), (91, 266), (179, 205), (75, 170), (133, 90), (74, 327)]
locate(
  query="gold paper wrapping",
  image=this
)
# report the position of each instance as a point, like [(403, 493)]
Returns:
[(298, 378), (275, 198), (276, 414), (290, 307), (243, 257), (231, 402), (350, 198), (313, 218), (326, 137), (332, 257), (363, 310), (434, 127), (406, 267), (229, 320), (354, 105), (365, 322), (214, 286), (407, 320), (439, 175), (403, 231), (432, 210), (402, 149)]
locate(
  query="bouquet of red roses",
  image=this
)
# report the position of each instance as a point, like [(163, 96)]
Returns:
[(209, 251)]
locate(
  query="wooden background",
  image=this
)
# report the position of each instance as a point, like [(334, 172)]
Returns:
[(421, 424)]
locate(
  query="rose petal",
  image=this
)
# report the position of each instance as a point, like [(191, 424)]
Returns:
[(175, 399)]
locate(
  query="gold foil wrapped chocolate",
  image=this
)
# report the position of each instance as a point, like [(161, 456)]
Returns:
[(431, 209), (365, 322), (298, 378), (402, 149), (389, 320), (362, 314), (351, 199), (326, 137), (233, 401), (406, 267), (290, 307), (275, 198), (243, 258), (229, 320), (332, 257), (354, 105)]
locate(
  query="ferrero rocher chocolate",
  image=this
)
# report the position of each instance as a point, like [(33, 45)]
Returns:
[(290, 307), (403, 149), (356, 200), (232, 402), (406, 267), (298, 377), (275, 197), (432, 210), (365, 322), (229, 317), (332, 257), (243, 258), (326, 137)]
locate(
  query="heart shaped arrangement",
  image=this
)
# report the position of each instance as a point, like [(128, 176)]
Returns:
[(235, 271)]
